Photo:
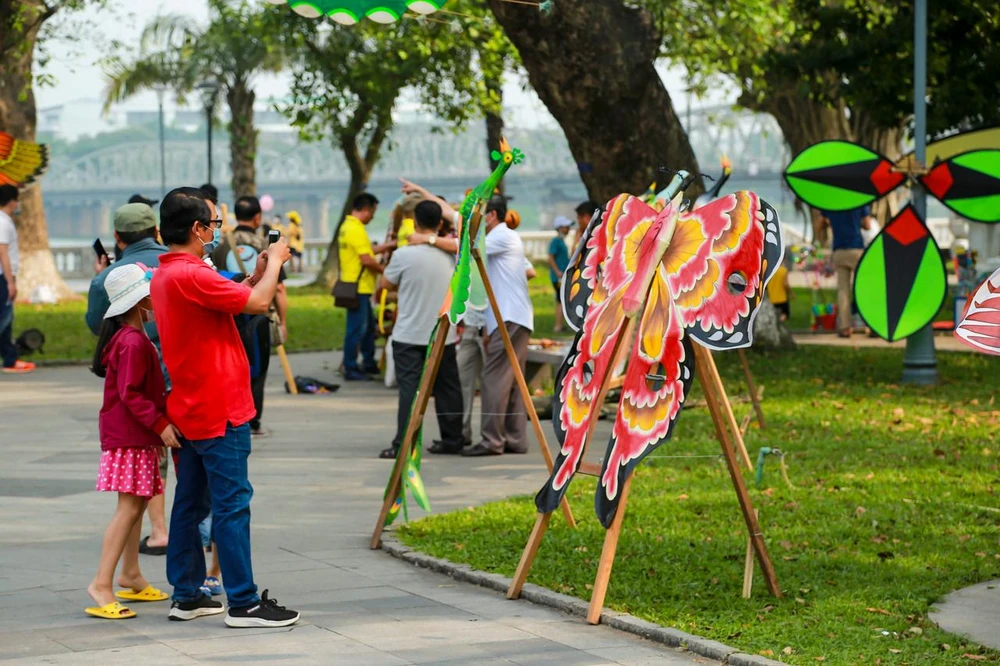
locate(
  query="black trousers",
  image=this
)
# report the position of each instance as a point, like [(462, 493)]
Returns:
[(409, 361), (263, 340)]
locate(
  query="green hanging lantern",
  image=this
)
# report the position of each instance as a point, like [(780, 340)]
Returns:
[(349, 12)]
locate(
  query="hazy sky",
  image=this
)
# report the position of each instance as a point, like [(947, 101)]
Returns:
[(78, 76)]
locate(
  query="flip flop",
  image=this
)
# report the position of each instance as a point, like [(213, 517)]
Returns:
[(148, 594), (112, 611), (146, 549)]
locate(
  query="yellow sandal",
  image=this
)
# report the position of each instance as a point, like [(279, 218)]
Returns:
[(148, 594), (112, 611)]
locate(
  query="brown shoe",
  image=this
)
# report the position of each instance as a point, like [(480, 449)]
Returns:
[(479, 450), (846, 333)]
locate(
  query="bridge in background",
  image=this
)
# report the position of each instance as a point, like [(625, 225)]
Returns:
[(82, 190)]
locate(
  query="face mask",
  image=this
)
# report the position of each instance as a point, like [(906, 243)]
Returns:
[(148, 316), (214, 243)]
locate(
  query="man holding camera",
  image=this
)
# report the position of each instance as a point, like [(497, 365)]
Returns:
[(246, 243)]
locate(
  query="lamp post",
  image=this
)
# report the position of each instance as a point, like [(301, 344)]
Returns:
[(210, 90), (920, 362), (160, 91)]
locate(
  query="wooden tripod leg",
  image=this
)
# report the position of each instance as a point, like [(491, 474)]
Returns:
[(416, 421), (754, 398), (542, 521), (522, 385), (608, 557), (715, 395), (287, 367), (748, 565), (708, 372), (528, 556)]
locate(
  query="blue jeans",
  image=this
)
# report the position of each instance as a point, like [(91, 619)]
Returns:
[(8, 350), (360, 334), (220, 466)]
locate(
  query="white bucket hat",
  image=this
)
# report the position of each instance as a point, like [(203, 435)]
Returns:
[(126, 286), (561, 222)]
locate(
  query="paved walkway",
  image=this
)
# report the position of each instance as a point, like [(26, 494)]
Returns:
[(317, 493), (972, 611), (941, 342)]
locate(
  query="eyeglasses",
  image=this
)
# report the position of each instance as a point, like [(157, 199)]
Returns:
[(212, 223)]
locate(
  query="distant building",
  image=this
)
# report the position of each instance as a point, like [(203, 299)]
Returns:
[(79, 117)]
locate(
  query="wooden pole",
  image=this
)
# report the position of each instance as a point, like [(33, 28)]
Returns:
[(415, 423), (287, 367), (715, 396), (522, 385), (608, 557), (542, 521), (528, 556), (754, 398), (748, 566), (708, 372)]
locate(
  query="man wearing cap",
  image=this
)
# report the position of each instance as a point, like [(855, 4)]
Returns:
[(138, 198), (558, 261), (135, 237)]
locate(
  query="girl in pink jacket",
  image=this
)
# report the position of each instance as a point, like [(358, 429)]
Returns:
[(134, 429)]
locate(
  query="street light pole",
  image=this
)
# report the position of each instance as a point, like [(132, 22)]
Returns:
[(920, 362), (160, 90), (208, 115), (210, 89)]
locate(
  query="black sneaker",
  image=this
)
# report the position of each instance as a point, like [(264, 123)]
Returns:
[(181, 611), (265, 613)]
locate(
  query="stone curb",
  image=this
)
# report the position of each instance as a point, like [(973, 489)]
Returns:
[(669, 636)]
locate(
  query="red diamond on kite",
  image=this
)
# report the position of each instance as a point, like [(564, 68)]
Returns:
[(938, 180), (884, 178), (906, 228)]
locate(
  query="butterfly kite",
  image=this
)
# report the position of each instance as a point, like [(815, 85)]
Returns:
[(21, 161), (980, 324), (900, 282), (454, 306), (686, 277)]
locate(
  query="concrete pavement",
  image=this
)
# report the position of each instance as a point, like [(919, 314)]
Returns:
[(317, 491)]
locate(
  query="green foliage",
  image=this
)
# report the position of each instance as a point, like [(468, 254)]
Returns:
[(242, 39), (858, 53), (892, 508)]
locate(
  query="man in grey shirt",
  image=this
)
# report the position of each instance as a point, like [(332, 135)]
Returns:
[(422, 275)]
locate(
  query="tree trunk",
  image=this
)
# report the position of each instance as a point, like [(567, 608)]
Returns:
[(592, 64), (769, 331), (803, 122), (361, 166), (242, 139), (17, 117), (494, 126)]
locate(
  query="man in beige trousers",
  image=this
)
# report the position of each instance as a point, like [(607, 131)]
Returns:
[(848, 245)]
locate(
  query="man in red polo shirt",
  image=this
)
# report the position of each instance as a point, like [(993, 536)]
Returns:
[(211, 405)]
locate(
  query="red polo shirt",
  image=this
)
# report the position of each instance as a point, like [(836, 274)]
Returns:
[(201, 347)]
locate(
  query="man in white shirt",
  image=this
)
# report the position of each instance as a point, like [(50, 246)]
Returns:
[(422, 275), (504, 424), (8, 281)]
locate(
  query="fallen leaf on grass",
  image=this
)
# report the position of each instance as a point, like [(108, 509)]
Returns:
[(819, 658), (880, 611), (682, 497), (787, 649), (766, 653), (974, 657), (898, 414)]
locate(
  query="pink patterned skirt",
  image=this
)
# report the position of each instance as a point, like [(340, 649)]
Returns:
[(132, 471)]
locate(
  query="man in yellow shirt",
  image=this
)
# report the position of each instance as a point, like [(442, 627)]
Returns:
[(358, 263), (296, 241)]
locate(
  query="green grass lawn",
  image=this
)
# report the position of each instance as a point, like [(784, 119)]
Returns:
[(892, 508)]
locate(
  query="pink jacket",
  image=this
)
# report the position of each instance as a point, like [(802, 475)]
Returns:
[(135, 395)]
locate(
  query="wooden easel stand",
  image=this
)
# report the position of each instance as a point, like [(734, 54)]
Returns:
[(423, 397), (728, 434)]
